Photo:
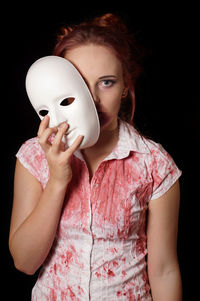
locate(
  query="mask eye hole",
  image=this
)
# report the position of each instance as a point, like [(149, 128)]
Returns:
[(43, 112), (67, 101)]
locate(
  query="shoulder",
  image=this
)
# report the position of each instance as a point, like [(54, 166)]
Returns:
[(156, 150), (164, 170), (151, 158), (159, 158), (130, 138), (31, 145), (31, 151), (32, 157)]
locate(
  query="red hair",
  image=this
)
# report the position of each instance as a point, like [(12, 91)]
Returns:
[(107, 30)]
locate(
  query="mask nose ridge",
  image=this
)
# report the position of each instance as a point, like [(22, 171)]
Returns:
[(56, 119)]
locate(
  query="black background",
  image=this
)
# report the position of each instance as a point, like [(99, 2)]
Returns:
[(167, 105)]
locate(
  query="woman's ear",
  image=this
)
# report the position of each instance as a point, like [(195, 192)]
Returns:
[(125, 92)]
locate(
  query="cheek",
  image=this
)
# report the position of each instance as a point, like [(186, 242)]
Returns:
[(114, 101), (112, 96)]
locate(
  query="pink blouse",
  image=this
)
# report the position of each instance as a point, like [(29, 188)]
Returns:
[(99, 252)]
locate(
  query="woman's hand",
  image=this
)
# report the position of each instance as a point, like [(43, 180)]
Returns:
[(57, 157)]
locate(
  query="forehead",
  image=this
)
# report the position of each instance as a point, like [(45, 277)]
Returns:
[(94, 61)]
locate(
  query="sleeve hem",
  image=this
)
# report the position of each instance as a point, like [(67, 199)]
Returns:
[(26, 165), (165, 189)]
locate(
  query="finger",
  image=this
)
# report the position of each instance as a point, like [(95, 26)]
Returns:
[(58, 138), (75, 145), (44, 138), (43, 125)]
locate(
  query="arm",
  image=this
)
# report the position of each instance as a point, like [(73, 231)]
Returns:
[(162, 228), (34, 221), (36, 212)]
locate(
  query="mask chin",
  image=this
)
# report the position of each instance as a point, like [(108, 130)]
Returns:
[(68, 139), (55, 84)]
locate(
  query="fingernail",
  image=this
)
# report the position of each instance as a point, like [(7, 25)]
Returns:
[(44, 118), (63, 125)]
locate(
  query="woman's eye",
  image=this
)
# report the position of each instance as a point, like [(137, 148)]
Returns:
[(43, 112), (67, 101), (107, 83)]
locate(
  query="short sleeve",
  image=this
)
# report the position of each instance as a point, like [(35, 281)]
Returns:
[(164, 171), (32, 157)]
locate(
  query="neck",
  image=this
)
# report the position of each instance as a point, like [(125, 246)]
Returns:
[(95, 154), (107, 140)]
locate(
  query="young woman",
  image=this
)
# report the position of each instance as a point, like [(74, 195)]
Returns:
[(91, 217)]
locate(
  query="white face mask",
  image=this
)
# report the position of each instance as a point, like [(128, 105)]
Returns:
[(55, 87)]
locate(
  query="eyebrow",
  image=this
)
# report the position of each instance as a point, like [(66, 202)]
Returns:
[(106, 76)]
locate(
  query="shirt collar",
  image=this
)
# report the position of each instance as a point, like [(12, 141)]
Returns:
[(129, 140)]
